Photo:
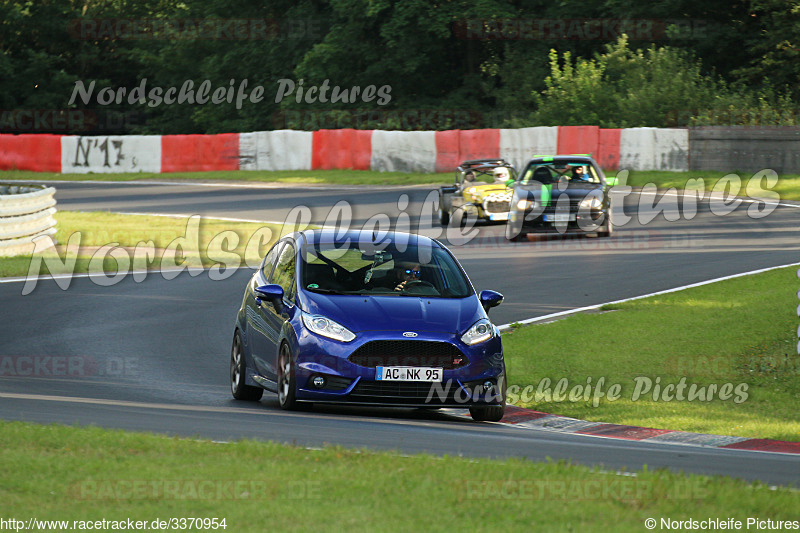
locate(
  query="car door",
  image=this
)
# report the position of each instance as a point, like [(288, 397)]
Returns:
[(275, 314), (258, 330)]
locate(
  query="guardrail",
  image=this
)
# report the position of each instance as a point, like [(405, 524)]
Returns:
[(26, 212)]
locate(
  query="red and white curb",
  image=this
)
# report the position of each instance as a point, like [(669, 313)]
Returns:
[(529, 419)]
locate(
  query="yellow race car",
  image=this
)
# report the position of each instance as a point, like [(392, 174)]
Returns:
[(482, 191)]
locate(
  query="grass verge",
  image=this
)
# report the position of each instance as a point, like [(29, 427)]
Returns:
[(788, 186), (740, 332), (60, 473), (194, 242), (337, 177)]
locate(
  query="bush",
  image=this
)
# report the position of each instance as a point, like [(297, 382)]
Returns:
[(658, 87)]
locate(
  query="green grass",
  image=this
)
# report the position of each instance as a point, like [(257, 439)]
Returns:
[(788, 186), (203, 241), (338, 177), (60, 473), (740, 331)]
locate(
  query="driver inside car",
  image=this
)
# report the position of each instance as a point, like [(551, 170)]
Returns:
[(407, 273), (501, 175), (579, 174)]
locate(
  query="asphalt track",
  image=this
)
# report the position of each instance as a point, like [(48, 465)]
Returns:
[(153, 355)]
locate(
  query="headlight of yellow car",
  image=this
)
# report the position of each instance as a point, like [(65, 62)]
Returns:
[(525, 204)]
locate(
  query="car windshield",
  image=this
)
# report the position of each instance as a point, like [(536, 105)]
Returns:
[(569, 171), (390, 270), (486, 174)]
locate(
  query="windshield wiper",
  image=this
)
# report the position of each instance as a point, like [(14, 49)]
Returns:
[(325, 291)]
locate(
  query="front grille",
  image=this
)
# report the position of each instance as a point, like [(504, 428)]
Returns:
[(408, 392), (561, 208), (409, 353), (497, 207)]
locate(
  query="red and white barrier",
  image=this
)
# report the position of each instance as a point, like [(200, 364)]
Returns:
[(113, 154), (455, 146), (415, 151), (40, 153), (654, 149), (196, 153), (608, 148), (342, 149), (275, 150), (517, 146), (403, 151)]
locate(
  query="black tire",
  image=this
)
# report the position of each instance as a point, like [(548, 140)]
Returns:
[(487, 413), (444, 215), (239, 390), (287, 381), (513, 235)]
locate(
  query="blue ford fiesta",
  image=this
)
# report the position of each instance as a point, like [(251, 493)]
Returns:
[(364, 319)]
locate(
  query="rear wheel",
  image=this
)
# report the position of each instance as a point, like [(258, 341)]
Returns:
[(287, 385), (239, 390), (487, 413)]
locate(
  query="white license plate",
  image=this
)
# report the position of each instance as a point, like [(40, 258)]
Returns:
[(559, 218), (498, 216), (407, 373)]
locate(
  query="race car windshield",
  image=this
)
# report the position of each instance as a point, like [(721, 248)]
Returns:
[(410, 270), (577, 172)]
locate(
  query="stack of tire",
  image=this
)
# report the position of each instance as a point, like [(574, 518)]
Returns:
[(26, 212)]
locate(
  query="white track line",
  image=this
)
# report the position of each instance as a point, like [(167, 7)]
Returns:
[(688, 192), (667, 291), (234, 185), (179, 215)]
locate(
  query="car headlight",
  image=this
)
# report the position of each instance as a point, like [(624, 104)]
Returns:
[(481, 331), (525, 204), (591, 203), (327, 328)]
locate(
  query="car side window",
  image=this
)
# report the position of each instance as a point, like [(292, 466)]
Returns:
[(284, 272), (269, 262)]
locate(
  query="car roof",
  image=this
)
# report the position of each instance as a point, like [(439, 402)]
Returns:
[(564, 157), (338, 236), (484, 163)]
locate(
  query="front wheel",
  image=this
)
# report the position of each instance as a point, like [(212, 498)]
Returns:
[(444, 216), (239, 390), (608, 228), (287, 385), (487, 413), (514, 232)]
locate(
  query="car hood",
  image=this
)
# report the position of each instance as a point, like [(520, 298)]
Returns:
[(398, 313), (578, 189), (550, 193), (485, 189)]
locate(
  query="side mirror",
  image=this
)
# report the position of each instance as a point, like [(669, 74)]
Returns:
[(510, 182), (490, 299), (271, 293), (611, 182)]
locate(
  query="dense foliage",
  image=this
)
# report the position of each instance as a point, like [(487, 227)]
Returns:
[(446, 64)]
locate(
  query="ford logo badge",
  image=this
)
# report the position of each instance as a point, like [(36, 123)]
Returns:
[(409, 334)]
